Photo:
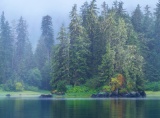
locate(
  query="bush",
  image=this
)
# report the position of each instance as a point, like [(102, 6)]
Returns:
[(123, 90), (61, 87), (106, 88), (152, 86), (78, 89), (31, 88), (9, 85), (34, 77), (19, 86)]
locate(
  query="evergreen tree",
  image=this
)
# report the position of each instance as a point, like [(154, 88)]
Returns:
[(93, 32), (44, 51), (153, 63), (118, 9), (6, 50), (137, 18), (60, 60), (106, 69), (148, 23), (157, 19), (105, 10), (47, 34), (133, 68), (84, 14), (78, 50), (23, 58)]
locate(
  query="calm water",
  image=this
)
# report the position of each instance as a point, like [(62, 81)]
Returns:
[(79, 108)]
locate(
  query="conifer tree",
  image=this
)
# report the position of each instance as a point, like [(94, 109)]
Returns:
[(47, 34), (137, 19), (6, 50), (43, 52), (148, 22), (60, 60), (23, 60), (78, 50)]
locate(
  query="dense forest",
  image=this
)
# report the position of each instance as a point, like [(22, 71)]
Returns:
[(102, 50)]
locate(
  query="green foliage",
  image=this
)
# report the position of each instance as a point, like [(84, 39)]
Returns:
[(34, 77), (152, 86), (47, 34), (137, 18), (61, 87), (60, 60), (6, 50), (93, 83), (106, 88), (19, 86), (78, 89), (78, 50), (31, 88), (9, 85), (123, 91), (94, 48)]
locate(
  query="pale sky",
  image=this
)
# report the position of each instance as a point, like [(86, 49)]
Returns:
[(34, 10)]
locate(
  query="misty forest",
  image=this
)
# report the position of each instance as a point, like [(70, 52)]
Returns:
[(101, 49)]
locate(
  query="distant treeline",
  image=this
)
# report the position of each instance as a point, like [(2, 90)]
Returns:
[(107, 49)]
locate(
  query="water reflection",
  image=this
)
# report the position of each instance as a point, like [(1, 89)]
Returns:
[(79, 108)]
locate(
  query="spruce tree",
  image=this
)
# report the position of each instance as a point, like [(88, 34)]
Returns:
[(78, 50), (148, 22), (47, 34), (43, 52), (60, 60), (23, 52), (137, 19), (6, 50)]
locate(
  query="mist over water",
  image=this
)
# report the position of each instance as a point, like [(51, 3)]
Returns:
[(34, 10)]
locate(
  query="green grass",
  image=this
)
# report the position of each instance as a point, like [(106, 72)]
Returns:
[(67, 95), (78, 95), (153, 93), (26, 93)]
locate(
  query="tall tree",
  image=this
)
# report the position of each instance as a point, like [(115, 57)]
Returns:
[(23, 53), (137, 18), (44, 51), (6, 50), (106, 69), (60, 60), (47, 34), (154, 49), (148, 22), (93, 33), (78, 49), (84, 14)]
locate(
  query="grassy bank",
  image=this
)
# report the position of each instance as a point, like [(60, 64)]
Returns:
[(78, 95), (23, 93), (67, 95), (153, 93)]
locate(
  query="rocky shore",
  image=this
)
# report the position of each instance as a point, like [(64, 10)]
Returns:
[(133, 94)]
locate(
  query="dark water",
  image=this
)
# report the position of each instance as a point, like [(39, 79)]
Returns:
[(79, 108)]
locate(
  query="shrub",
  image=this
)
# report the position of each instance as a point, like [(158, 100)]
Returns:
[(106, 88), (61, 86), (123, 90), (19, 86), (34, 77), (9, 85), (78, 89), (31, 88), (152, 86)]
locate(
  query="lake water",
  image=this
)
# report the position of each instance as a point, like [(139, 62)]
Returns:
[(79, 108)]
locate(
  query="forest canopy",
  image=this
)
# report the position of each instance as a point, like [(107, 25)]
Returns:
[(99, 49)]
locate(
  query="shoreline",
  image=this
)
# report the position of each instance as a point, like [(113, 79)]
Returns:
[(34, 94)]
